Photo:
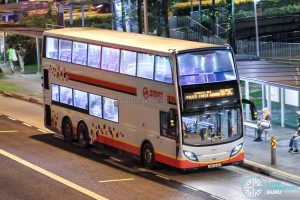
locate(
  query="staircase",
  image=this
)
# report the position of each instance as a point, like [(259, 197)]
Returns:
[(187, 28)]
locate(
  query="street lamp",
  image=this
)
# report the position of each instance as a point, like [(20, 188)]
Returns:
[(256, 26)]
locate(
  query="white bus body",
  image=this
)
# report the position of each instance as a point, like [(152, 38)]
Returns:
[(123, 97)]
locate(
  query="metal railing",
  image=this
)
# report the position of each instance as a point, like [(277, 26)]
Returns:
[(53, 26), (275, 51)]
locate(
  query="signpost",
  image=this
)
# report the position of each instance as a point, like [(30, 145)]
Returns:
[(273, 150)]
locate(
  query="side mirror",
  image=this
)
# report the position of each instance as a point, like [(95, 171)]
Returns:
[(252, 108), (172, 117)]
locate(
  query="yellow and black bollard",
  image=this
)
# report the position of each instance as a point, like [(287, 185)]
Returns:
[(273, 150)]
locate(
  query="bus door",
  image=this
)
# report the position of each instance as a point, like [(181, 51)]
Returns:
[(169, 129)]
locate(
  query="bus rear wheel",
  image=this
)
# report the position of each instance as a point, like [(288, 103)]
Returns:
[(148, 157), (82, 135), (67, 130)]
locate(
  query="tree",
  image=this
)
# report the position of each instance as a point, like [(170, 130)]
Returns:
[(123, 15), (164, 12), (139, 16), (229, 4)]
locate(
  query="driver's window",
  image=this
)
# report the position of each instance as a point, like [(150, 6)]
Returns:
[(165, 130)]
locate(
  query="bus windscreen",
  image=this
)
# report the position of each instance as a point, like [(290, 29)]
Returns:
[(205, 67), (211, 127)]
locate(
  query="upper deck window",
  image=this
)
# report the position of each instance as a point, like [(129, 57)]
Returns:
[(51, 48), (145, 68), (163, 70), (205, 67), (65, 50), (128, 62), (110, 59), (94, 54), (79, 53)]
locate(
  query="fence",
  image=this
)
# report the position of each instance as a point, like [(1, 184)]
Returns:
[(275, 51)]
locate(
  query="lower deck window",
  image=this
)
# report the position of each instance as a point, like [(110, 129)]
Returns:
[(95, 105), (55, 92), (80, 99), (66, 96), (91, 104), (110, 109)]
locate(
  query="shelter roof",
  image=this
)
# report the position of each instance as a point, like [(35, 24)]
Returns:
[(284, 75)]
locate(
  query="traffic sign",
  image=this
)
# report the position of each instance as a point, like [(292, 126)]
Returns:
[(273, 144)]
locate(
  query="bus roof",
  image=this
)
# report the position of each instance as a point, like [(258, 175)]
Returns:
[(125, 39)]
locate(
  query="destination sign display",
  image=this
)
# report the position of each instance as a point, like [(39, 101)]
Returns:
[(208, 94)]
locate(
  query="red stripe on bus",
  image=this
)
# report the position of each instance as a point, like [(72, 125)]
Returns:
[(101, 83), (171, 99), (165, 159), (119, 145)]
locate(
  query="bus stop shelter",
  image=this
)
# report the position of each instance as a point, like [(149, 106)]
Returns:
[(272, 85), (33, 32)]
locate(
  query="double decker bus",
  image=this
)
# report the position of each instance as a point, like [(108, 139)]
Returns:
[(162, 100)]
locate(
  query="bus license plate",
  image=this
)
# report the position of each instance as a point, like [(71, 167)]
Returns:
[(214, 165)]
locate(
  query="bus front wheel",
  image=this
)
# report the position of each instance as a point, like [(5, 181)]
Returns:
[(82, 135), (67, 130), (148, 157)]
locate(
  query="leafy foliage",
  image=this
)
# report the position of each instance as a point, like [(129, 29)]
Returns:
[(99, 21)]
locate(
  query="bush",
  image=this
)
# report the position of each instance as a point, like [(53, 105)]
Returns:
[(287, 9), (181, 9), (101, 20)]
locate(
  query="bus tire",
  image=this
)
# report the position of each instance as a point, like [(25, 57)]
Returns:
[(67, 129), (82, 135), (148, 157)]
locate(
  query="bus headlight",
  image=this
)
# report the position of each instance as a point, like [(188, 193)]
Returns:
[(190, 155), (236, 149)]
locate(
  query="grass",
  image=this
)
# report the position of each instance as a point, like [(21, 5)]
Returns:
[(9, 88), (31, 69)]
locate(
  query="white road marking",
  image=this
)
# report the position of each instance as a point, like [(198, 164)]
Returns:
[(144, 170), (116, 159), (53, 176), (162, 177), (27, 124), (42, 131), (116, 180), (10, 131), (189, 187), (11, 118)]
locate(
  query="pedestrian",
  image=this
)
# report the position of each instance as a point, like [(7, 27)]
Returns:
[(295, 139), (10, 56), (263, 124), (21, 53)]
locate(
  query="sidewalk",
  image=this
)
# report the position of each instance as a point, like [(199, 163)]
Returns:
[(260, 152), (26, 86), (257, 154)]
